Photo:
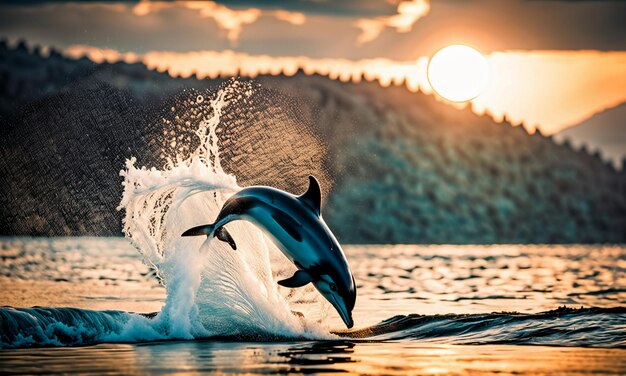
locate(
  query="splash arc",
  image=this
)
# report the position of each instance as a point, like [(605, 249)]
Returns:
[(296, 226)]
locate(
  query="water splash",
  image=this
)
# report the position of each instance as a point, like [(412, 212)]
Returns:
[(213, 291)]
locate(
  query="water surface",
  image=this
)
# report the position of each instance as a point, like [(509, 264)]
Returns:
[(420, 309), (329, 357)]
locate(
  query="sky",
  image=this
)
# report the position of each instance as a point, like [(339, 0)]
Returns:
[(554, 63)]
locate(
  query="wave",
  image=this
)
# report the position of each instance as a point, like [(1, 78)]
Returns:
[(51, 327), (584, 327), (39, 326)]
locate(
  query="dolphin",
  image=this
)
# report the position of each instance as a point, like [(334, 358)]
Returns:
[(296, 226)]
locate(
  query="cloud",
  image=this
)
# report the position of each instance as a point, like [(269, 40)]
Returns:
[(360, 8), (101, 55), (229, 63), (329, 29), (294, 18), (228, 19), (552, 90), (408, 13)]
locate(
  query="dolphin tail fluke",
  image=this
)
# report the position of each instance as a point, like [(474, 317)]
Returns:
[(199, 230), (224, 236), (209, 230)]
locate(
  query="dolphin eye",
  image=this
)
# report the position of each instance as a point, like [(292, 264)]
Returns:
[(332, 286)]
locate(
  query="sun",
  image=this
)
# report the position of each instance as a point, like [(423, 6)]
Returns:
[(458, 73)]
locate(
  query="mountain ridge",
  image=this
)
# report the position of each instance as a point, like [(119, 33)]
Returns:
[(604, 132), (399, 167)]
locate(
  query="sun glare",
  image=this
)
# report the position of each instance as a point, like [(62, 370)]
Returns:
[(458, 73)]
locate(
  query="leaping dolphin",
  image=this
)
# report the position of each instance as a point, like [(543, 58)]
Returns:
[(295, 224)]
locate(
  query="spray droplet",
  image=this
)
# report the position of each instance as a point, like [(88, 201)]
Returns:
[(199, 99)]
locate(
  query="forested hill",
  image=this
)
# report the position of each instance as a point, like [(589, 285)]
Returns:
[(400, 167)]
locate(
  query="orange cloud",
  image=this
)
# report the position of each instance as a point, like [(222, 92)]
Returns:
[(552, 90), (230, 20), (408, 13), (294, 18), (214, 64), (101, 55)]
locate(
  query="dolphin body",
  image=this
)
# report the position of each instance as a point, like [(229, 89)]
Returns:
[(295, 224)]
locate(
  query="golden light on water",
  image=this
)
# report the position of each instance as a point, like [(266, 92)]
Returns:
[(458, 73)]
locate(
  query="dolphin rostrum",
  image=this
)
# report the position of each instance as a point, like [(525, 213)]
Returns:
[(295, 224)]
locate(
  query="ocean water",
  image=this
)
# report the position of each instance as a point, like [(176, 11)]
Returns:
[(420, 309), (156, 302)]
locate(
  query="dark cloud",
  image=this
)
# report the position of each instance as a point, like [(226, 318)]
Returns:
[(36, 2), (363, 8), (330, 29), (526, 25)]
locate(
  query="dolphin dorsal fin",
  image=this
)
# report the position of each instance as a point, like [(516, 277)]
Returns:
[(313, 196)]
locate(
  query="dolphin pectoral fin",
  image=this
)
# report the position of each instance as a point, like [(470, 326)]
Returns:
[(224, 236), (299, 279), (199, 230), (313, 196)]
